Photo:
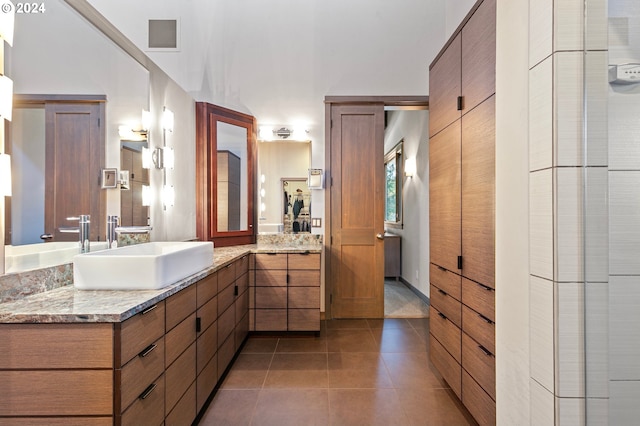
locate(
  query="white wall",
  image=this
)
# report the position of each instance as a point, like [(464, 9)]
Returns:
[(413, 126)]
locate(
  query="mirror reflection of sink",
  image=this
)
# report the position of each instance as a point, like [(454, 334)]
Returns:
[(141, 267), (43, 255)]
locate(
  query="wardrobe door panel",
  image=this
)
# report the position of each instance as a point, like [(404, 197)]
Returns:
[(444, 88)]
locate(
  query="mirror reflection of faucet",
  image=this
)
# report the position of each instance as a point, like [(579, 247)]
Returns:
[(83, 231)]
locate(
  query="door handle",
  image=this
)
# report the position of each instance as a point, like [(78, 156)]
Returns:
[(380, 236)]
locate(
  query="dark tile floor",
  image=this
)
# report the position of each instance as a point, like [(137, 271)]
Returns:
[(356, 372)]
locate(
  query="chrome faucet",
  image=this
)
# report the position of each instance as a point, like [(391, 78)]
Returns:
[(112, 224), (83, 230)]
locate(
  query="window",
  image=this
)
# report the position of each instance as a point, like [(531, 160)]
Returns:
[(393, 187)]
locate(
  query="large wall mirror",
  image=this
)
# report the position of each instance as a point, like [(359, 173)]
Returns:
[(225, 175), (284, 196), (82, 65)]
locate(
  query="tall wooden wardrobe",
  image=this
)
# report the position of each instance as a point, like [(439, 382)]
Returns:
[(461, 212)]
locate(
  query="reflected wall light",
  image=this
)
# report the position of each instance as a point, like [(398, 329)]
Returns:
[(161, 158), (127, 133), (168, 195), (167, 119), (7, 22), (410, 167), (5, 175), (146, 195), (6, 97)]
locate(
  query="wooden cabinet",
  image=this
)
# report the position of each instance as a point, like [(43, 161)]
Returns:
[(392, 255), (286, 292), (158, 367), (462, 211), (228, 191)]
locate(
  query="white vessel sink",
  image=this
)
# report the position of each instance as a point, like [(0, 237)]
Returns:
[(141, 267), (44, 255)]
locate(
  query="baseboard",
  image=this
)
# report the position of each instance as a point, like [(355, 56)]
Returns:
[(417, 292)]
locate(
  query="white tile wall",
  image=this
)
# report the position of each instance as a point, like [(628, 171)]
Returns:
[(624, 127), (597, 91), (540, 30), (624, 223), (541, 223), (624, 408), (624, 328), (596, 31), (568, 224), (597, 411), (570, 362), (597, 342), (568, 108), (542, 405), (568, 21), (541, 115), (541, 328), (597, 225), (570, 412)]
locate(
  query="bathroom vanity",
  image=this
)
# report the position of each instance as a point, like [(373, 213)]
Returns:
[(72, 356)]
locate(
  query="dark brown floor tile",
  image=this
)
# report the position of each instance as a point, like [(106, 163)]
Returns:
[(389, 323), (357, 370), (230, 407), (302, 344), (282, 407), (420, 324), (298, 370), (259, 344), (366, 407), (351, 341), (249, 371), (347, 324), (400, 340), (412, 371), (434, 407)]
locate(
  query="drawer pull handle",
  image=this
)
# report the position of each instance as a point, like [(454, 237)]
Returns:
[(146, 351), (485, 287), (441, 268), (235, 291), (149, 309), (442, 292), (271, 254), (306, 253), (485, 350), (198, 325), (441, 315), (147, 391), (485, 319), (229, 265)]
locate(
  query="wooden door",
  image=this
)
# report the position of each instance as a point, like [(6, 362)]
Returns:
[(478, 193), (444, 88), (444, 197), (357, 211), (74, 159)]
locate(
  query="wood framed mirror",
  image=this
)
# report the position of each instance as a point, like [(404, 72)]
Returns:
[(225, 175)]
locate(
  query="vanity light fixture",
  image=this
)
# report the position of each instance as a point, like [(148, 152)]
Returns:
[(146, 195), (410, 167), (5, 175), (168, 156), (6, 97), (168, 195), (127, 133), (146, 120), (283, 132), (7, 22), (266, 133), (161, 158), (167, 119)]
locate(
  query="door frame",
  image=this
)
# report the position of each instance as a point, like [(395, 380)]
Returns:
[(390, 103)]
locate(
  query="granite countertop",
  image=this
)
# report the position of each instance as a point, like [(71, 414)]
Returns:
[(70, 305)]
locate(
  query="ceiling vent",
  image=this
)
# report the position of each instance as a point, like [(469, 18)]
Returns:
[(163, 34)]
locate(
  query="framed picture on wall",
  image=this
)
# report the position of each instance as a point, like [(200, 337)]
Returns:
[(109, 178)]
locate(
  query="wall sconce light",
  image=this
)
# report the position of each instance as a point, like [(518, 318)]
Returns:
[(167, 119), (5, 175), (266, 133), (283, 132), (162, 158), (136, 135), (146, 195), (410, 167), (7, 22), (168, 195), (146, 120), (6, 97)]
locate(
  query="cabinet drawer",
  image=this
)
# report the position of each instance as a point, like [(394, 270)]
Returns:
[(148, 410), (477, 401), (207, 314), (480, 364), (226, 351), (304, 297), (207, 346), (304, 319), (271, 261), (242, 283), (446, 280), (181, 305), (242, 305), (480, 298), (226, 323), (179, 339), (185, 410), (480, 328), (271, 278), (206, 288), (179, 376), (446, 304), (140, 372), (447, 333), (56, 421), (304, 261), (241, 330), (446, 365), (140, 331), (301, 278), (271, 297), (27, 346), (226, 298), (56, 393), (206, 381), (226, 276), (242, 266), (271, 320)]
